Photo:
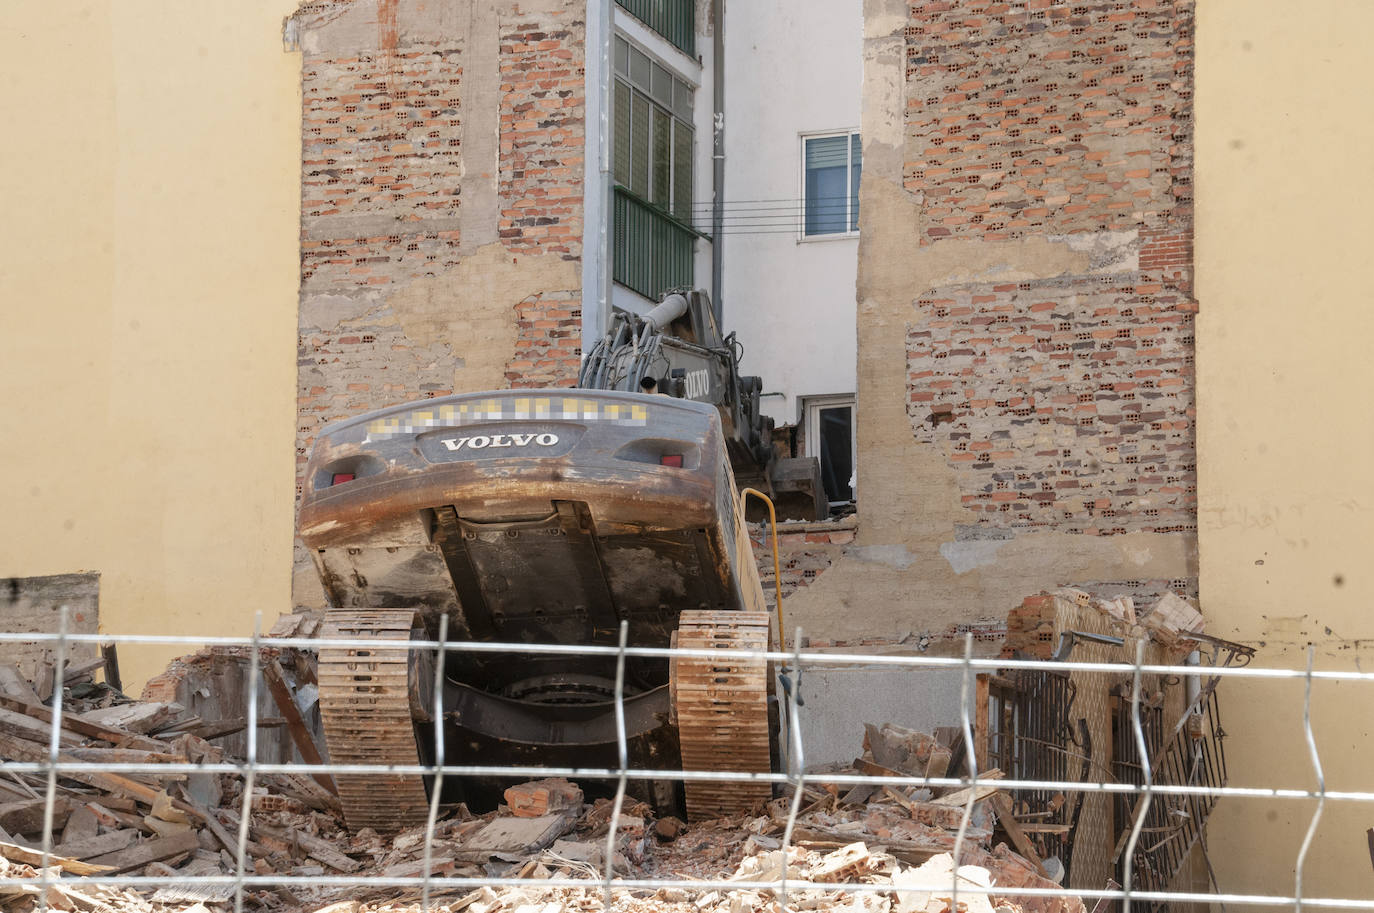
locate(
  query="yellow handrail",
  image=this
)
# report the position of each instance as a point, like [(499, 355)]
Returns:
[(777, 570)]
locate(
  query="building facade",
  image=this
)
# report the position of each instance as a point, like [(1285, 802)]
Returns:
[(955, 238), (480, 184), (793, 167)]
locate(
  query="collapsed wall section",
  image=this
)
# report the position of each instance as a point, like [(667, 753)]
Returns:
[(441, 204)]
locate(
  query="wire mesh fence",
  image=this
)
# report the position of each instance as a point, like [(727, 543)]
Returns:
[(1014, 745)]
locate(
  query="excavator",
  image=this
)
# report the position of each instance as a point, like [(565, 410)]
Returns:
[(551, 517), (547, 517), (676, 349)]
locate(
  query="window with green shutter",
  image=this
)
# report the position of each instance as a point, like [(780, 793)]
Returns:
[(653, 140), (673, 19), (639, 143), (682, 172), (620, 129), (652, 235)]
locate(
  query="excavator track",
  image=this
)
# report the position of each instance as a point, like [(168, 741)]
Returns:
[(365, 705), (722, 710)]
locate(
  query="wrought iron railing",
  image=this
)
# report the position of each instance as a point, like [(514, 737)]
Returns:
[(673, 19), (651, 251), (1192, 755), (1034, 734)]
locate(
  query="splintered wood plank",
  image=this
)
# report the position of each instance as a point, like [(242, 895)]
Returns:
[(29, 856), (97, 844), (144, 853), (112, 734), (300, 733)]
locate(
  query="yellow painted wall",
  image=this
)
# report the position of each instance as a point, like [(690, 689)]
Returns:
[(1285, 191), (148, 274)]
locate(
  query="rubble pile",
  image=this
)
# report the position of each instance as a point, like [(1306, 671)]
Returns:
[(898, 840), (175, 825), (108, 823)]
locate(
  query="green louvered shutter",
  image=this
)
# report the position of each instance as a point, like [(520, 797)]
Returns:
[(622, 133), (682, 171)]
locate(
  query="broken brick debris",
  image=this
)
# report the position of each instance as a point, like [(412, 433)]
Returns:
[(540, 797), (899, 840), (1033, 625)]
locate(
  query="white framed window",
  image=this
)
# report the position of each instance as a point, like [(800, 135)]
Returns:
[(830, 437), (831, 166)]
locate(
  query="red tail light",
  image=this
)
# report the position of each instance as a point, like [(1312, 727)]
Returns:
[(671, 459), (342, 477)]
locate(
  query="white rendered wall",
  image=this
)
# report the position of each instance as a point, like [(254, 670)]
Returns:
[(790, 69)]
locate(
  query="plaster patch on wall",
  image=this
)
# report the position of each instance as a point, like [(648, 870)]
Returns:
[(320, 28), (480, 131), (965, 556), (964, 261), (1111, 251), (1290, 629), (471, 308), (1140, 556), (325, 313), (894, 556), (858, 598)]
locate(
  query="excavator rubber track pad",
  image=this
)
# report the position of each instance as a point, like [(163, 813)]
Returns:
[(722, 711), (365, 707)]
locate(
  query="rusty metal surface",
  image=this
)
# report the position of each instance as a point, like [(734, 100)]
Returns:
[(366, 708), (611, 462), (1036, 733), (722, 710), (1184, 750)]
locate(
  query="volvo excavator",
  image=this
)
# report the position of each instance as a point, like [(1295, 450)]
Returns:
[(676, 349), (546, 517)]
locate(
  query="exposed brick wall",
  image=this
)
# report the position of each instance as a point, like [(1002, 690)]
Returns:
[(549, 351), (1041, 117), (540, 187), (382, 206), (344, 263), (1168, 254), (441, 189), (381, 139), (542, 140), (805, 552), (1063, 404), (1066, 403)]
